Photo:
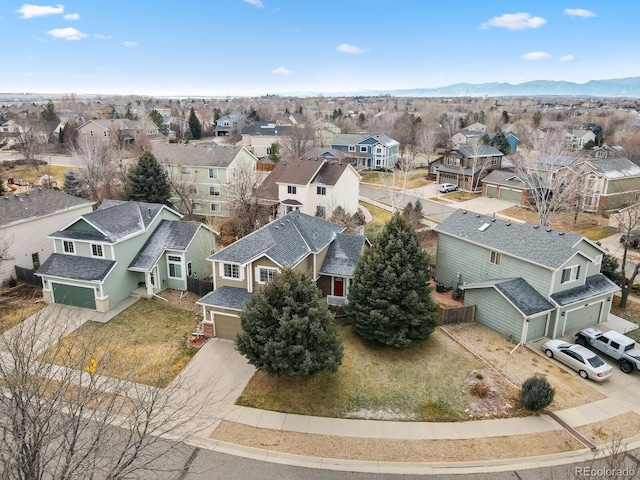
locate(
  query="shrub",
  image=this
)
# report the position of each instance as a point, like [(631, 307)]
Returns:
[(479, 376), (480, 390), (536, 393)]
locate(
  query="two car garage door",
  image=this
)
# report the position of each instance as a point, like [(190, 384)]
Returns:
[(75, 296), (509, 194)]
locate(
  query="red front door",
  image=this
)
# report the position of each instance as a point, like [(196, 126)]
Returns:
[(338, 287)]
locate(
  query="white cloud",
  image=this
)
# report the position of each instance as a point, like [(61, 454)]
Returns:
[(129, 44), (255, 3), (102, 37), (346, 48), (68, 33), (515, 21), (567, 58), (282, 71), (71, 16), (579, 12), (534, 56), (29, 11)]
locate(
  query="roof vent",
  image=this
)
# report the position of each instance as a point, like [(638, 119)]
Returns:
[(536, 226), (508, 224), (477, 215), (464, 212), (548, 229), (484, 227), (560, 233)]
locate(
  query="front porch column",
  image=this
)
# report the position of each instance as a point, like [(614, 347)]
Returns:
[(148, 284)]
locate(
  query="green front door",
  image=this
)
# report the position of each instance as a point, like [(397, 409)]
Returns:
[(75, 296)]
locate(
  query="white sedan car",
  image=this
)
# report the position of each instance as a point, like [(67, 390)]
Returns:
[(581, 359), (447, 187)]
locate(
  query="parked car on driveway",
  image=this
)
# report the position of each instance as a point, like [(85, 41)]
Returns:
[(614, 344), (447, 187), (632, 239), (581, 359)]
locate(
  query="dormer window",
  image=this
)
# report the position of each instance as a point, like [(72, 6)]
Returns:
[(570, 274), (291, 189)]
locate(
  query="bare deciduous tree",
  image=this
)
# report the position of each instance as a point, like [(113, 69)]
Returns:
[(628, 222), (95, 160), (63, 414), (552, 184), (298, 141)]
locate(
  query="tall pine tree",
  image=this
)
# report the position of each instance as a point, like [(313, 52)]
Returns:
[(389, 299), (49, 112), (194, 125), (75, 184), (148, 181), (288, 330)]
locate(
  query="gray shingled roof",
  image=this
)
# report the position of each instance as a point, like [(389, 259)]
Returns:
[(117, 219), (196, 154), (522, 295), (345, 139), (504, 177), (266, 129), (287, 240), (556, 160), (547, 247), (594, 286), (343, 255), (329, 153), (37, 203), (77, 268), (226, 297), (170, 235), (614, 167), (483, 151)]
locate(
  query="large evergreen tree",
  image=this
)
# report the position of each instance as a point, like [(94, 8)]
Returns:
[(148, 181), (75, 184), (389, 299), (49, 113), (194, 125), (287, 330)]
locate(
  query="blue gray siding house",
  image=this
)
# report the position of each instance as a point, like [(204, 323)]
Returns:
[(367, 151), (526, 281)]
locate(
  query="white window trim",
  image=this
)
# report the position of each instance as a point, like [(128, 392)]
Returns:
[(321, 190), (175, 262), (292, 190), (352, 148), (73, 247), (214, 172), (363, 149), (217, 209), (271, 269), (497, 256), (214, 191), (240, 271), (572, 274), (101, 249), (598, 260)]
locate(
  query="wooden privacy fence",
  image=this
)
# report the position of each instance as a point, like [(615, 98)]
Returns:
[(199, 287), (451, 316), (25, 275)]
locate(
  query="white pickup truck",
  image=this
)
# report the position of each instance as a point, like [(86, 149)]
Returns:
[(614, 344)]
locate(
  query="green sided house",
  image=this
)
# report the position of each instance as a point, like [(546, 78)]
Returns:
[(526, 281), (297, 240), (103, 256)]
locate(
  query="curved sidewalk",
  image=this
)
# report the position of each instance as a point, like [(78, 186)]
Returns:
[(230, 373)]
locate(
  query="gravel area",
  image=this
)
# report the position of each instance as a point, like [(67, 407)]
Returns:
[(379, 450)]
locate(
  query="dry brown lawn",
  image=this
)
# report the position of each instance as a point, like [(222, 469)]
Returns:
[(571, 390), (145, 343), (612, 429), (588, 224), (18, 303), (380, 450)]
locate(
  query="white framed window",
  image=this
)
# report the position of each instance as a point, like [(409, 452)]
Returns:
[(189, 269), (213, 173), (96, 251), (598, 260), (215, 207), (264, 274), (292, 189), (352, 148), (496, 258), (69, 247), (174, 262), (570, 274), (230, 270), (289, 209), (214, 190), (378, 149), (321, 190), (363, 149)]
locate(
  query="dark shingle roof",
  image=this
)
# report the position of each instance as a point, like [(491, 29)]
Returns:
[(78, 268), (483, 151), (345, 139), (226, 297), (196, 154), (117, 219), (522, 295), (295, 172), (265, 128), (287, 240), (343, 255), (547, 247), (593, 286), (170, 235), (36, 203)]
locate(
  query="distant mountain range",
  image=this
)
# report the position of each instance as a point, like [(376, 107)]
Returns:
[(616, 87)]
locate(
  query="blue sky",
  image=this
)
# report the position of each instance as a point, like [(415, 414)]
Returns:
[(249, 47)]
